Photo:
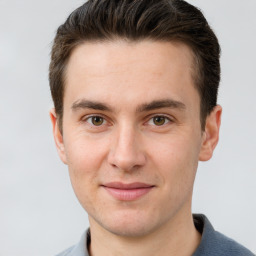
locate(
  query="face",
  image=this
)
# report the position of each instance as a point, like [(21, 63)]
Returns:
[(131, 133)]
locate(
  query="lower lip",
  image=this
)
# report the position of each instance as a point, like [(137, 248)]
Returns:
[(128, 194)]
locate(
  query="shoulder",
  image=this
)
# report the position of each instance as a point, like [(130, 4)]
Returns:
[(213, 243), (67, 252), (79, 249), (227, 246)]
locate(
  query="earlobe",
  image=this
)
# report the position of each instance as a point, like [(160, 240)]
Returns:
[(58, 137), (211, 134)]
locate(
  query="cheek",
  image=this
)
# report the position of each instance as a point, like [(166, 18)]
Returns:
[(84, 153), (177, 159), (85, 157)]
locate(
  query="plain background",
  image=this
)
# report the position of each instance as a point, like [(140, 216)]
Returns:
[(39, 214)]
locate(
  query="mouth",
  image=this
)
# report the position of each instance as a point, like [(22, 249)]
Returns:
[(127, 192)]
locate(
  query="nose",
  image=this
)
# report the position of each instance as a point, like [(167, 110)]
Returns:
[(126, 151)]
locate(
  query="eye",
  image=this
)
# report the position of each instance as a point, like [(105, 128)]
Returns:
[(96, 120), (159, 120)]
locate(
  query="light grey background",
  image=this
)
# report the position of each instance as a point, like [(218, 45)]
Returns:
[(39, 214)]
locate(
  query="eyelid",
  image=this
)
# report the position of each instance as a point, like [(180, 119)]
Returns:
[(105, 119), (169, 118), (86, 117), (91, 117)]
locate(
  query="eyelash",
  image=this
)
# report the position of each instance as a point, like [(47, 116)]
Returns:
[(166, 120), (93, 116)]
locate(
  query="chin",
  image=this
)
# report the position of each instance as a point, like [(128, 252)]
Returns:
[(129, 231), (128, 225)]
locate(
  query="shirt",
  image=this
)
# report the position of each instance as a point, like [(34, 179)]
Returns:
[(212, 242)]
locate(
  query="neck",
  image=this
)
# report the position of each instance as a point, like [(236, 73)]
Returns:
[(178, 237)]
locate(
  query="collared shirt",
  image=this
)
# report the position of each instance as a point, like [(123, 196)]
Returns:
[(212, 242)]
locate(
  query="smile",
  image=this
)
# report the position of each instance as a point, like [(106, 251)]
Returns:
[(127, 192)]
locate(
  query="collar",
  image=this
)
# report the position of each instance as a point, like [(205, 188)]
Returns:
[(212, 242)]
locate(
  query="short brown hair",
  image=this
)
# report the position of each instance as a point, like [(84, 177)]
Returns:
[(135, 20)]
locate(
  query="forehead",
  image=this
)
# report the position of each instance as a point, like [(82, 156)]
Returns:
[(100, 57), (129, 70)]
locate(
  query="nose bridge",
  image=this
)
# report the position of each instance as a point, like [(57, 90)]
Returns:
[(126, 141), (126, 151)]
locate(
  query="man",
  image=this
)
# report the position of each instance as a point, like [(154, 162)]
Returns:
[(134, 85)]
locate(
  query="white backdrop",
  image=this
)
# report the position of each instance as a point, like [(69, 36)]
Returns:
[(39, 214)]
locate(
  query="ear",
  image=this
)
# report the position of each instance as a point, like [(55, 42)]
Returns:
[(211, 134), (58, 137)]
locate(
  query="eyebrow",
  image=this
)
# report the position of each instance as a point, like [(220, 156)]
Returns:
[(156, 104), (83, 103)]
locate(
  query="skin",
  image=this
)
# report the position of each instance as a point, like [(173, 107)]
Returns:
[(129, 145)]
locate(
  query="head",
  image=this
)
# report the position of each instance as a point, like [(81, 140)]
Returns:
[(134, 21), (134, 85)]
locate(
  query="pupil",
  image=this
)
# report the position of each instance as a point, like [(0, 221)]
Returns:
[(97, 120), (159, 120)]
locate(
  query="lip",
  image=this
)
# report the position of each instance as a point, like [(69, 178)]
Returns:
[(127, 192)]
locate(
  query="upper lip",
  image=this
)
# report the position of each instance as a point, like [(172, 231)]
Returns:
[(120, 185)]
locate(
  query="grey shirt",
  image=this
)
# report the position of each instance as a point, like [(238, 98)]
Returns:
[(212, 242)]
